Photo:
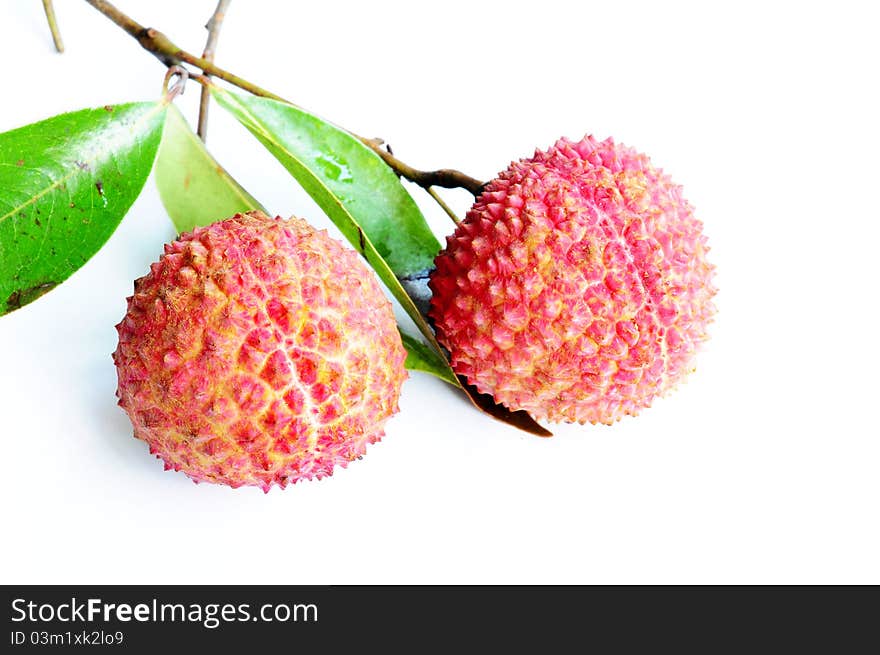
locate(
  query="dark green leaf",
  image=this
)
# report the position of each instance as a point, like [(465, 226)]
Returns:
[(335, 168), (65, 183), (194, 188)]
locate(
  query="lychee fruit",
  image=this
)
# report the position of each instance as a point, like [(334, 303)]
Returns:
[(258, 351), (577, 288)]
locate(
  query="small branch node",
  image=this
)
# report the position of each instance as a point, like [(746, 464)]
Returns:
[(179, 86)]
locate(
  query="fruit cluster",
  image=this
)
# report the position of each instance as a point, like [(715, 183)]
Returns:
[(259, 351)]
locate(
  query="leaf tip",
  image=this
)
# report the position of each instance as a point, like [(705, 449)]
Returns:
[(519, 419), (21, 297)]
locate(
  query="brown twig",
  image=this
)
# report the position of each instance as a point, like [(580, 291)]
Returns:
[(161, 47), (49, 8), (213, 27), (447, 178)]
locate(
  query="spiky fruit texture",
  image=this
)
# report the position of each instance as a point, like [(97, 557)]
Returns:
[(577, 287), (258, 351)]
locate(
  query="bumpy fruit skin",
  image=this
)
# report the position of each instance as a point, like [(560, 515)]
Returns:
[(258, 351), (577, 287)]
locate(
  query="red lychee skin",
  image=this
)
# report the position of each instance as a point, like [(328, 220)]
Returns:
[(577, 287), (258, 351)]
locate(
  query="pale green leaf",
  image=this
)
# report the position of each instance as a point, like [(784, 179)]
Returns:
[(194, 188)]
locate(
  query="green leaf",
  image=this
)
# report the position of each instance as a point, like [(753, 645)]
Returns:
[(194, 188), (419, 357), (278, 126), (343, 176), (65, 184)]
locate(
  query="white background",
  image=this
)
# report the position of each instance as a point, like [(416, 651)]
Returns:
[(763, 468)]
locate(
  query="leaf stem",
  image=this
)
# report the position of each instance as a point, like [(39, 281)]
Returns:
[(161, 47), (213, 26), (49, 8), (436, 196)]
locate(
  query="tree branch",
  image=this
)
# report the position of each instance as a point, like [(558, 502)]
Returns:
[(49, 8), (161, 47), (213, 27)]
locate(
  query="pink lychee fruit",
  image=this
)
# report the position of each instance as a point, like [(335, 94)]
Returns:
[(258, 351), (577, 287)]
